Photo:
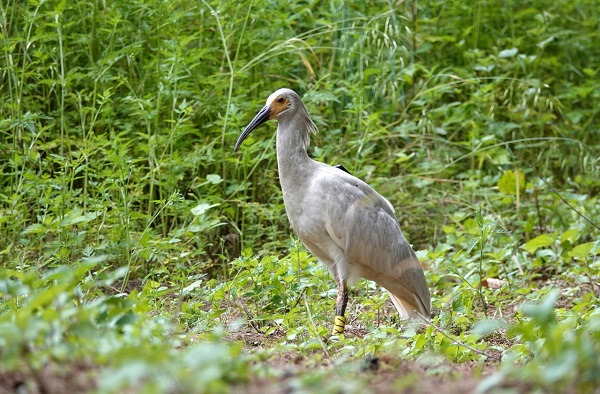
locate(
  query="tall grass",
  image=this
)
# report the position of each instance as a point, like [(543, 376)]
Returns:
[(111, 109)]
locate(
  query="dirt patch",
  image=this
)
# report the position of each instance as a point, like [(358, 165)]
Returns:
[(253, 339), (385, 374), (76, 377), (396, 375)]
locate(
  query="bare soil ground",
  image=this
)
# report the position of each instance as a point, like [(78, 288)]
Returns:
[(72, 378)]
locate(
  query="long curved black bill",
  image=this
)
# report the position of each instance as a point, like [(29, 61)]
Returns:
[(261, 117)]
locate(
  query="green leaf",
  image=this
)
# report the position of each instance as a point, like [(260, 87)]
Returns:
[(215, 179), (543, 312), (564, 364), (508, 182), (569, 235), (488, 326), (43, 298), (548, 40), (538, 242), (201, 209), (508, 53), (195, 285), (35, 228), (581, 251), (448, 229), (75, 217)]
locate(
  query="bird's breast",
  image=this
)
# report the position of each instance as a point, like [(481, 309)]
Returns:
[(304, 214)]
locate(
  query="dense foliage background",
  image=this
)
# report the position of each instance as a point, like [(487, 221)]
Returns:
[(123, 209)]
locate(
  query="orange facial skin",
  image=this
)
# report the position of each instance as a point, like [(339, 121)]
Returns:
[(277, 106)]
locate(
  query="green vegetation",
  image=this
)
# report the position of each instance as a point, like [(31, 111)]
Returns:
[(139, 252)]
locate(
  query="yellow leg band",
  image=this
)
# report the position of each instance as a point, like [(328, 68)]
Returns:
[(338, 325)]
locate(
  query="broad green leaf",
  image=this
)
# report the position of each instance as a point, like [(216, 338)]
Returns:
[(193, 286), (508, 182), (214, 178), (7, 249), (35, 228), (508, 53), (471, 226), (41, 299), (448, 229), (569, 235), (484, 68), (543, 312), (488, 326), (76, 216), (538, 242), (96, 259), (565, 363), (548, 40), (201, 208), (581, 251)]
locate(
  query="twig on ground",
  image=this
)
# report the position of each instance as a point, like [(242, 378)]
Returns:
[(299, 298), (249, 316)]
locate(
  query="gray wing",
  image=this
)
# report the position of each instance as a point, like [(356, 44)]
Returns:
[(362, 223)]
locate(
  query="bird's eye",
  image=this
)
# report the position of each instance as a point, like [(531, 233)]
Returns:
[(280, 100)]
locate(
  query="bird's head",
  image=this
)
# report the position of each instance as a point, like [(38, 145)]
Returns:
[(281, 104)]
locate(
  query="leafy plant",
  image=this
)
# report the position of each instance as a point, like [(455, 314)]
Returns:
[(139, 250)]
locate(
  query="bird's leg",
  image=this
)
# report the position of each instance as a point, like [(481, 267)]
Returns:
[(340, 307)]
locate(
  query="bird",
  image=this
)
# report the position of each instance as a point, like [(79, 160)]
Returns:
[(345, 223)]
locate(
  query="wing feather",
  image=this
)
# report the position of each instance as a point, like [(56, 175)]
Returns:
[(362, 223)]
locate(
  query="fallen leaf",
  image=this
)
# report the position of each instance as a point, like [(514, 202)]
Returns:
[(493, 283)]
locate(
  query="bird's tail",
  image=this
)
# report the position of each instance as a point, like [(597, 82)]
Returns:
[(409, 309)]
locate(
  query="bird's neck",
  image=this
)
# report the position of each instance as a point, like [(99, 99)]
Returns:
[(293, 162)]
